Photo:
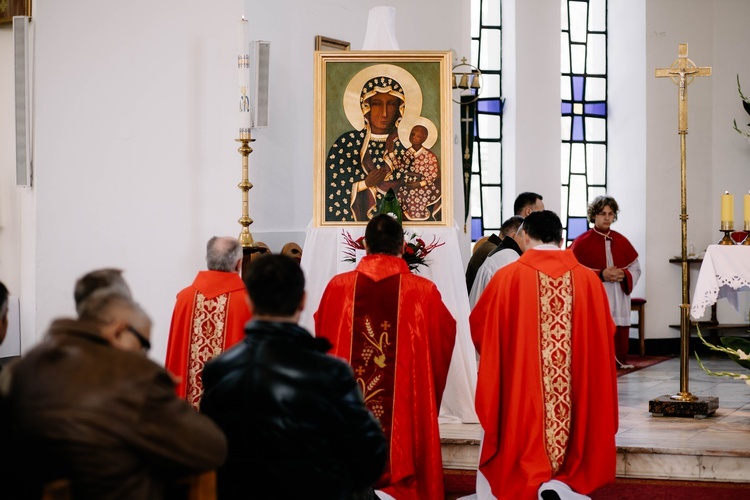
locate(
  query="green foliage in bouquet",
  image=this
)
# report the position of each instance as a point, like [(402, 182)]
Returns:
[(736, 348)]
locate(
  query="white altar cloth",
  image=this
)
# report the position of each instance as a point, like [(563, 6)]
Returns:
[(322, 256), (725, 271)]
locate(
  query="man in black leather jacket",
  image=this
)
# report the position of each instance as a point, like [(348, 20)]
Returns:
[(294, 417)]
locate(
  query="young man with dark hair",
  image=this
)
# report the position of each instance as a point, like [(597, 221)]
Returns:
[(544, 334), (525, 203), (528, 202), (397, 334), (293, 416), (509, 250)]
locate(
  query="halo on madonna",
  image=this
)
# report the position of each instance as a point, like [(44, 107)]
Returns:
[(412, 92)]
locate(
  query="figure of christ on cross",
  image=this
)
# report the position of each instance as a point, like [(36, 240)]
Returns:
[(682, 72)]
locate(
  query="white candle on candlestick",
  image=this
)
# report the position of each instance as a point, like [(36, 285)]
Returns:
[(243, 65)]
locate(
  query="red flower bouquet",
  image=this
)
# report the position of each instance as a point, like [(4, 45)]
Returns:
[(415, 249)]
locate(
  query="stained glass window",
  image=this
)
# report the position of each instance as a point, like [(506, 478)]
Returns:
[(584, 110), (486, 169)]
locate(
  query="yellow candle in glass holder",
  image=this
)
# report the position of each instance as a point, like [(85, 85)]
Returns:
[(747, 209), (727, 207)]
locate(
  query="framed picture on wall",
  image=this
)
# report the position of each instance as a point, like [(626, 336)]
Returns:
[(383, 121), (326, 43), (10, 8)]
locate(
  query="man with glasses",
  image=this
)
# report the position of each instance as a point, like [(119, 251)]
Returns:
[(89, 406)]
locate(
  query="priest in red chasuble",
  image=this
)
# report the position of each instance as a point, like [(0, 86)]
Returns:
[(395, 331), (547, 386), (208, 318)]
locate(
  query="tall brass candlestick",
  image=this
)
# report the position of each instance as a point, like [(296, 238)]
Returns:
[(246, 239)]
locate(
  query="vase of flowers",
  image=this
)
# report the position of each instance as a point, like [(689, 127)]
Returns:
[(415, 249)]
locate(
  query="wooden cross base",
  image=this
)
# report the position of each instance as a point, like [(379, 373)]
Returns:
[(665, 406)]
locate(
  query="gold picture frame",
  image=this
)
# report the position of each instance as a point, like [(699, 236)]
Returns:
[(325, 43), (409, 148), (10, 8)]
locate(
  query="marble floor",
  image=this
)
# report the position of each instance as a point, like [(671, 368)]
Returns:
[(712, 448)]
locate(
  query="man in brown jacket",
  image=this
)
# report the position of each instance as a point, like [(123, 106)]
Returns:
[(89, 406)]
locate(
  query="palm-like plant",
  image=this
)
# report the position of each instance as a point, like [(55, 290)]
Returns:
[(746, 105), (738, 350)]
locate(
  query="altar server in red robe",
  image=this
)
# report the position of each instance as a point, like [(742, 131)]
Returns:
[(547, 387), (611, 256), (395, 331), (208, 318)]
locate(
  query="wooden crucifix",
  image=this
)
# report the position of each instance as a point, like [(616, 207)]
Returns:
[(682, 72)]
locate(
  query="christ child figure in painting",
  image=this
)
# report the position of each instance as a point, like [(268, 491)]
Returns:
[(419, 194)]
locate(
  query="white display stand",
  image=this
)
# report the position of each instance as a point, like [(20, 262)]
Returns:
[(322, 256)]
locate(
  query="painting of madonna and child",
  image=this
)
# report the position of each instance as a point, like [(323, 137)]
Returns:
[(383, 121)]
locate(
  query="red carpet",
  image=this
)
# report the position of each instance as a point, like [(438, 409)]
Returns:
[(461, 482), (641, 362)]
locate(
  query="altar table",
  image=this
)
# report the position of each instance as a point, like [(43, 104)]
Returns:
[(725, 272), (322, 256)]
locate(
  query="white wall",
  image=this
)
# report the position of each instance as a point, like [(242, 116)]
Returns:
[(135, 162), (531, 116), (626, 174)]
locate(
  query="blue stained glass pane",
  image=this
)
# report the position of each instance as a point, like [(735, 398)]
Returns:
[(567, 108), (596, 109), (577, 128), (493, 106), (577, 226), (578, 88), (476, 228)]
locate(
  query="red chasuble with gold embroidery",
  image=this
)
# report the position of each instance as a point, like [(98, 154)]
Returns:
[(547, 387), (208, 318), (397, 334)]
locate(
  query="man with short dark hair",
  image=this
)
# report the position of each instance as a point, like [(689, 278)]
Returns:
[(509, 250), (528, 202), (87, 405), (525, 203), (208, 318), (293, 416), (397, 334), (544, 334)]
